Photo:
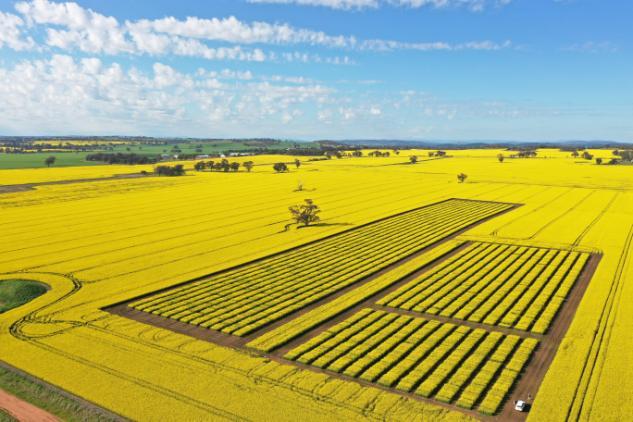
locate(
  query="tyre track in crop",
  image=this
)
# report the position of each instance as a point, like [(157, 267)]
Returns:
[(343, 198), (205, 251), (535, 210), (189, 223), (601, 214), (563, 214), (592, 366), (138, 381), (212, 368), (248, 193)]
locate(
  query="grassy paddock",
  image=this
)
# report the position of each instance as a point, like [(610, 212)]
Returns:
[(14, 293), (36, 160)]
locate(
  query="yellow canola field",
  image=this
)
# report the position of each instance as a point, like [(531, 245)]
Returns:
[(101, 242)]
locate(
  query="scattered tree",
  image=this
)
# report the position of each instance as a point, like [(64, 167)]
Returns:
[(575, 154), (500, 157), (413, 159), (248, 165), (199, 166), (49, 161), (235, 166), (462, 177), (598, 161), (177, 170), (305, 214), (280, 167), (357, 153), (297, 163), (625, 155), (587, 156)]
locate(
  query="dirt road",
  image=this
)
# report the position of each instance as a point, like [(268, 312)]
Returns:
[(23, 411)]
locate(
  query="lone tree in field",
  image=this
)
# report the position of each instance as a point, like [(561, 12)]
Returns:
[(297, 163), (280, 167), (500, 157), (50, 161), (413, 159), (305, 214), (575, 154), (462, 177), (598, 161), (248, 165)]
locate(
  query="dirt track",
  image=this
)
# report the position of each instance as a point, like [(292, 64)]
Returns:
[(23, 411)]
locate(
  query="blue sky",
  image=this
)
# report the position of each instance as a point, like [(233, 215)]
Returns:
[(315, 69)]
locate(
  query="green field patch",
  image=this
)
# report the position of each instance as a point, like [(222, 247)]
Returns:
[(14, 293)]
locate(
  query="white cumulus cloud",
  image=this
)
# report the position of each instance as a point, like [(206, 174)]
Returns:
[(11, 33), (474, 5)]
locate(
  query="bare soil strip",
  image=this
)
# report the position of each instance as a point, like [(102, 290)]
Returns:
[(23, 411), (15, 188)]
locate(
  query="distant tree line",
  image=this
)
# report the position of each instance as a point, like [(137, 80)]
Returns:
[(379, 154), (524, 153), (624, 157), (122, 158)]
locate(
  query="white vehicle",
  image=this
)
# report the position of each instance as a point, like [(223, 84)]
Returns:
[(520, 405)]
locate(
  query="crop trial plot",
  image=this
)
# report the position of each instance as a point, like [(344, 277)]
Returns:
[(242, 300), (469, 367), (496, 284)]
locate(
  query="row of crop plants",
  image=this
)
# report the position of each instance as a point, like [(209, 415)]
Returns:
[(308, 321), (472, 368), (496, 284), (285, 263), (242, 300)]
